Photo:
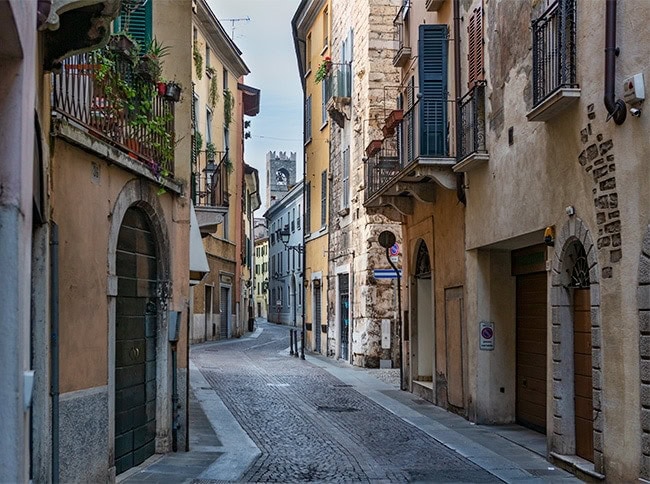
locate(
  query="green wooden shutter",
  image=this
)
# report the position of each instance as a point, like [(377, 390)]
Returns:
[(140, 23), (432, 55)]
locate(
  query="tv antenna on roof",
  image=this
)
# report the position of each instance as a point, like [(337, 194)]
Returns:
[(232, 23)]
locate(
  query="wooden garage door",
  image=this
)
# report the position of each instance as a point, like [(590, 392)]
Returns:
[(531, 351)]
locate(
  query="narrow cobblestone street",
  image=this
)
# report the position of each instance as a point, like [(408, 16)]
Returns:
[(312, 427)]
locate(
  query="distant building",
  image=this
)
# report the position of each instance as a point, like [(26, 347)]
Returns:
[(261, 277), (285, 264), (280, 175)]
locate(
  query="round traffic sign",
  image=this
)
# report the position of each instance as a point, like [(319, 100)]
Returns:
[(487, 333), (394, 250)]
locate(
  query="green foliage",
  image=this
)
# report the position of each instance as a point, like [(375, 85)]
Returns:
[(214, 86), (323, 70), (228, 106), (210, 151), (198, 60)]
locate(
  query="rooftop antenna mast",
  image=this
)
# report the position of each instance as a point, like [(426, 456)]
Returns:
[(232, 23)]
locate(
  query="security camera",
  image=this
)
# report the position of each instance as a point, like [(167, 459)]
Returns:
[(636, 112)]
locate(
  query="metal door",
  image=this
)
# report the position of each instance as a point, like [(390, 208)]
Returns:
[(344, 311), (317, 318), (135, 342), (225, 296)]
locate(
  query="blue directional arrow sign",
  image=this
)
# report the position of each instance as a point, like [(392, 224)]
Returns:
[(386, 274)]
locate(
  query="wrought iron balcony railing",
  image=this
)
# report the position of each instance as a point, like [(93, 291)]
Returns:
[(338, 82), (210, 187), (382, 167), (471, 122), (424, 130), (118, 107), (554, 50)]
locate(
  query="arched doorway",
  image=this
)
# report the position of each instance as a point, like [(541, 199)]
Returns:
[(135, 341), (582, 365), (423, 329)]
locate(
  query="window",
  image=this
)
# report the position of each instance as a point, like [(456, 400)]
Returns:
[(326, 25), (323, 104), (432, 57), (208, 125), (298, 221), (207, 57), (140, 23), (293, 219), (225, 79), (345, 189), (195, 34), (195, 112), (475, 48), (308, 208), (308, 52), (226, 139), (308, 119), (323, 199)]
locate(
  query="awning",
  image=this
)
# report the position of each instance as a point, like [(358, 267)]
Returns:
[(198, 261)]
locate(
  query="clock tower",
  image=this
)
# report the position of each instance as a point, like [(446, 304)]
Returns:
[(280, 175)]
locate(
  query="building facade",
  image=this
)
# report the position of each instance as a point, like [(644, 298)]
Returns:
[(261, 285), (285, 260), (220, 101)]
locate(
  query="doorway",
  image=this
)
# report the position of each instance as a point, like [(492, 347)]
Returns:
[(317, 316), (208, 323), (344, 311), (582, 379), (225, 312), (135, 342)]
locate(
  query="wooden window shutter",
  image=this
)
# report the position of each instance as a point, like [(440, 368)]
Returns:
[(432, 58), (139, 22), (475, 48)]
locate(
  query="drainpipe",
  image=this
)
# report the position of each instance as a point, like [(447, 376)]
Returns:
[(615, 107), (54, 343), (460, 177)]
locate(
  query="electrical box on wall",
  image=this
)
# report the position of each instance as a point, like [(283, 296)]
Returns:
[(634, 89)]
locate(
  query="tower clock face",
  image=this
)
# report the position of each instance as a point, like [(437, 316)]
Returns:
[(281, 177)]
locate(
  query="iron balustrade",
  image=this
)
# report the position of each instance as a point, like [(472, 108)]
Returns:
[(117, 107), (422, 133), (383, 167), (210, 188), (338, 82), (554, 50), (471, 122)]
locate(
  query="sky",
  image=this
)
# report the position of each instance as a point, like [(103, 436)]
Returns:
[(267, 48)]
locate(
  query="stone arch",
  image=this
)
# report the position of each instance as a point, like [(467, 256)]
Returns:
[(572, 240), (643, 302), (422, 338), (142, 194)]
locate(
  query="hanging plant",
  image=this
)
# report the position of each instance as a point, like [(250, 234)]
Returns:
[(323, 70), (228, 106), (198, 60), (210, 152), (214, 87)]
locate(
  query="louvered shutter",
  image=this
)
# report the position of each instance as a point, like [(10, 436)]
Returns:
[(475, 48), (139, 22), (432, 55)]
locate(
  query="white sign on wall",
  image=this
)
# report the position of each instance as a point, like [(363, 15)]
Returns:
[(385, 334), (486, 335)]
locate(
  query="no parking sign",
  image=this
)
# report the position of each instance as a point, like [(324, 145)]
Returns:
[(486, 335)]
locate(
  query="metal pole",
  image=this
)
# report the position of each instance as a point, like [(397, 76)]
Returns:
[(54, 351), (399, 318)]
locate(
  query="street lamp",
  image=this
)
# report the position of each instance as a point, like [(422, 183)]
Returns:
[(284, 238)]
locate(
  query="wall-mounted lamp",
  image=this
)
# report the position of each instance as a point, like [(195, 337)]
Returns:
[(549, 236)]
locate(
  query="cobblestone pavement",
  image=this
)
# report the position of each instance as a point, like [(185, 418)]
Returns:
[(310, 427)]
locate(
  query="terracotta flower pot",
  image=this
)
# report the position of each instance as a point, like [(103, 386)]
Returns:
[(373, 147), (394, 118)]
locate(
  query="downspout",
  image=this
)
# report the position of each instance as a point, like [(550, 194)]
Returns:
[(460, 177), (615, 107), (54, 350)]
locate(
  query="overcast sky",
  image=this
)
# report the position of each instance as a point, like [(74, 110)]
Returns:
[(267, 48)]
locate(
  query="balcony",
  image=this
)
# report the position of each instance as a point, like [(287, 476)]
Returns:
[(401, 38), (433, 5), (338, 91), (554, 61), (107, 99), (471, 150), (414, 160), (210, 193)]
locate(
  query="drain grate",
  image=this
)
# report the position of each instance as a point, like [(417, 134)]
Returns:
[(328, 408)]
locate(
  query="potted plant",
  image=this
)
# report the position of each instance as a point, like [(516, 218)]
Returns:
[(373, 147), (210, 152), (161, 88), (173, 91), (388, 131), (395, 116), (323, 70), (123, 44), (149, 66)]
